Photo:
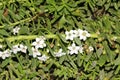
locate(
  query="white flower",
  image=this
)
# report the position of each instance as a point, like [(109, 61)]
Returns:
[(16, 30), (43, 58), (78, 32), (1, 46), (48, 50), (70, 35), (5, 54), (83, 34), (81, 49), (23, 48), (15, 49), (59, 53), (35, 52), (114, 38), (39, 43), (73, 49), (91, 48)]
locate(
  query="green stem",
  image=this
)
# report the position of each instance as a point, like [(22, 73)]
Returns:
[(21, 21), (26, 37), (11, 1), (20, 61), (94, 35), (18, 22), (30, 37)]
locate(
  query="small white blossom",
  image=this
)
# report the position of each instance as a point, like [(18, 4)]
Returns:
[(83, 35), (15, 49), (91, 48), (16, 30), (73, 49), (1, 46), (5, 54), (43, 58), (59, 53), (70, 35), (35, 52), (81, 49), (23, 48), (78, 32), (114, 38), (39, 43), (48, 50)]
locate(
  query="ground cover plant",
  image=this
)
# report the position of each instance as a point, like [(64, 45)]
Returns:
[(59, 40)]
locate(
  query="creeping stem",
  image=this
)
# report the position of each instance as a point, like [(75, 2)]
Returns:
[(11, 1), (54, 36), (26, 37)]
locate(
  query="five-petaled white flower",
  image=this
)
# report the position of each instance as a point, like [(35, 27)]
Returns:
[(23, 48), (73, 49), (16, 30), (39, 43), (83, 35), (78, 32), (70, 35), (43, 58), (15, 49), (59, 53), (35, 52), (91, 48), (5, 54)]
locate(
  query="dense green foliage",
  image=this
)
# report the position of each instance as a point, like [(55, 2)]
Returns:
[(51, 18)]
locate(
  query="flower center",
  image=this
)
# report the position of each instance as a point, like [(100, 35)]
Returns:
[(84, 33)]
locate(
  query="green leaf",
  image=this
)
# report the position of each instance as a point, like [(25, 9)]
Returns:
[(9, 44), (61, 59), (117, 61), (51, 51), (29, 47), (79, 60), (5, 62), (4, 32), (117, 70), (102, 75), (62, 22), (62, 38), (102, 60), (115, 6), (51, 2), (77, 40), (88, 57), (99, 52), (107, 6), (72, 62), (110, 54), (24, 30), (20, 69)]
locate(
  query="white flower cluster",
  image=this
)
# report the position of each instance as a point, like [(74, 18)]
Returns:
[(74, 49), (39, 43), (82, 34), (17, 48), (5, 54)]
